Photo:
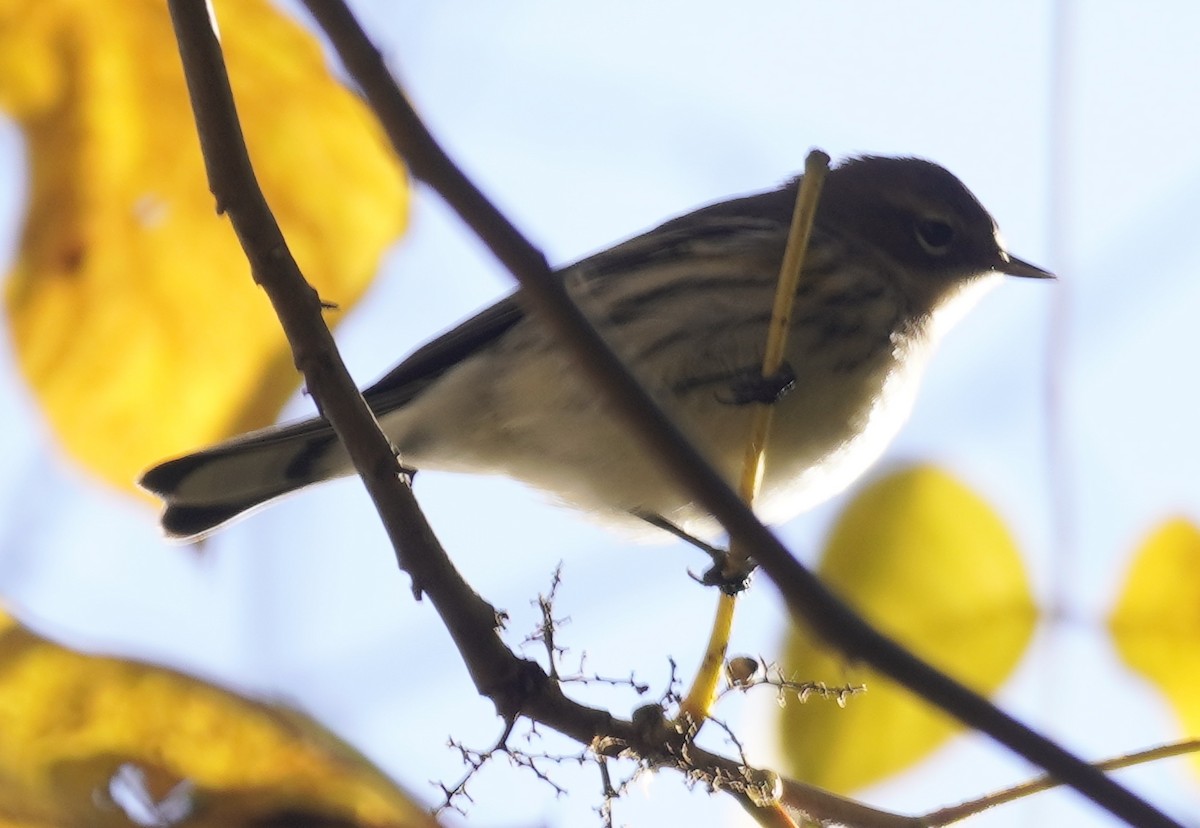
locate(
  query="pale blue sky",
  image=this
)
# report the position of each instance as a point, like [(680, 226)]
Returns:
[(587, 124)]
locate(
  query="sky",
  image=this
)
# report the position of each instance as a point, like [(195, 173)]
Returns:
[(1069, 406)]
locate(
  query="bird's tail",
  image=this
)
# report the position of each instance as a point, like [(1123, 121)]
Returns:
[(206, 490)]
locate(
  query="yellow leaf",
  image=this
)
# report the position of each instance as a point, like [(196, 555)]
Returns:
[(131, 305), (929, 562), (71, 724), (1155, 624)]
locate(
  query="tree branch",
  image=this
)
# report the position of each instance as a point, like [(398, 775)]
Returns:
[(471, 621), (806, 597)]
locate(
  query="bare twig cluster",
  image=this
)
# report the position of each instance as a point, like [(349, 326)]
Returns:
[(546, 634), (743, 672)]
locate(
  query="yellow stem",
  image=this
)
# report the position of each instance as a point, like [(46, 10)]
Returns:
[(697, 704), (754, 464), (946, 816)]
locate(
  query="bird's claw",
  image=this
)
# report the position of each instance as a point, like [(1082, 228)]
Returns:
[(752, 387)]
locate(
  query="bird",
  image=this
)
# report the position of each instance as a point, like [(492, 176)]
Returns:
[(899, 250)]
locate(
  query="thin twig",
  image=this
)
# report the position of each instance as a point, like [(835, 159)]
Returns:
[(807, 598), (548, 625), (957, 813)]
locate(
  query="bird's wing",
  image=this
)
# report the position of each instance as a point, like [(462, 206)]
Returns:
[(698, 233), (720, 229), (430, 361)]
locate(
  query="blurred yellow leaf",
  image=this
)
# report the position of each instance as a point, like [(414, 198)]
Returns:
[(1155, 624), (131, 305), (76, 729), (929, 562)]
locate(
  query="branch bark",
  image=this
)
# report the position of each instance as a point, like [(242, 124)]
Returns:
[(472, 622)]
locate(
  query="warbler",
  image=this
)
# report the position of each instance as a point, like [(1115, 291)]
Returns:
[(899, 249)]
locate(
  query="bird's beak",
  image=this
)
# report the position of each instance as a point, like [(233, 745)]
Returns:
[(1015, 267)]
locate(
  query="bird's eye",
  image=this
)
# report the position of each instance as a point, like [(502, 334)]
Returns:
[(934, 235)]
